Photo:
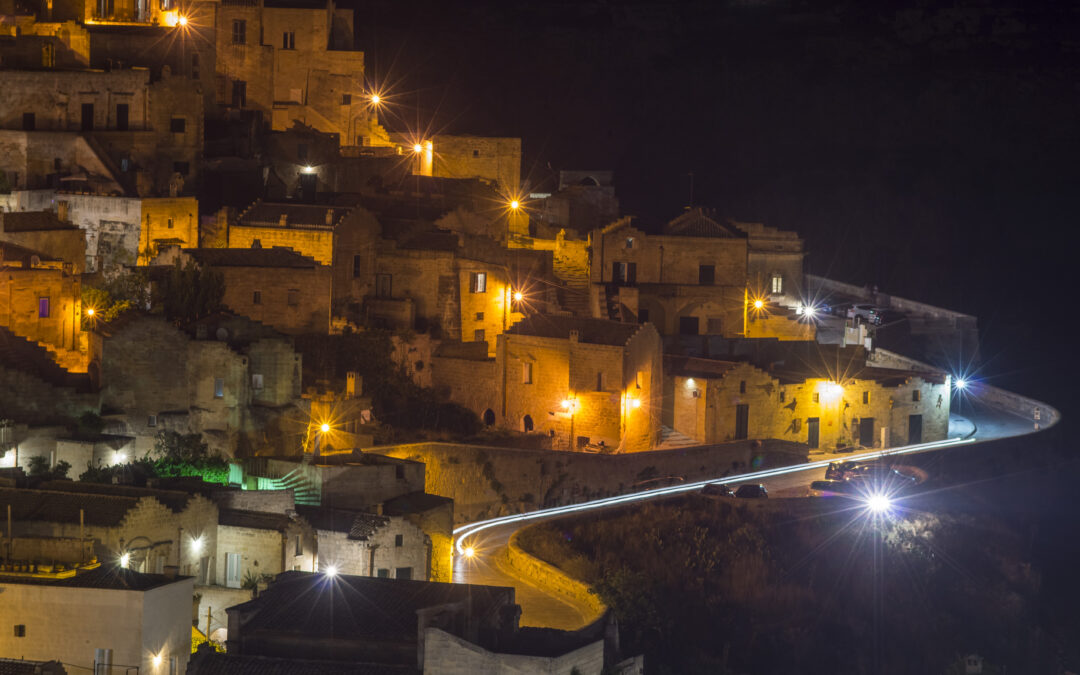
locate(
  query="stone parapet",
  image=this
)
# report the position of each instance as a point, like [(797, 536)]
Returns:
[(553, 580)]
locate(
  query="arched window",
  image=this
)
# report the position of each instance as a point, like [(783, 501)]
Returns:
[(526, 424), (489, 417)]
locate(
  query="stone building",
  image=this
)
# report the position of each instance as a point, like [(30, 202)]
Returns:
[(803, 398), (43, 231), (98, 620), (346, 623), (590, 384), (118, 230), (254, 544), (584, 201), (369, 544), (224, 384), (690, 279), (41, 301), (146, 134), (274, 286), (487, 158), (774, 263), (295, 62)]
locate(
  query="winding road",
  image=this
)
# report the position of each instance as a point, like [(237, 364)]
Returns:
[(489, 538)]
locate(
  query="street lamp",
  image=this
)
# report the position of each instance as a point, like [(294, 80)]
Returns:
[(325, 428)]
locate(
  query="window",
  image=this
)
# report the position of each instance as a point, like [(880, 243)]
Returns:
[(382, 286), (706, 275), (87, 116), (475, 153), (526, 373), (478, 282), (28, 122), (478, 335), (357, 261), (714, 325), (181, 168), (299, 545), (399, 472), (624, 272), (288, 40), (125, 165), (170, 222), (643, 315), (403, 573), (777, 283), (293, 298), (257, 381), (194, 66), (219, 387), (629, 242), (151, 421), (43, 308), (783, 395), (232, 570), (48, 55), (399, 540), (174, 665), (239, 32), (20, 630), (346, 99), (384, 573), (866, 398), (177, 125), (688, 325), (816, 397), (916, 396), (301, 152), (256, 297), (742, 387), (122, 115), (239, 93), (479, 316), (600, 381)]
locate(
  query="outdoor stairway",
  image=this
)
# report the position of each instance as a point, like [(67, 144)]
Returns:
[(574, 294), (303, 491), (671, 439), (29, 357)]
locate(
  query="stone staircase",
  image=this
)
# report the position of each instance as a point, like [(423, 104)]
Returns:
[(303, 491), (574, 294), (29, 357), (671, 439)]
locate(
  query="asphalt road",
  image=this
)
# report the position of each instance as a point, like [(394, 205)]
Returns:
[(540, 608)]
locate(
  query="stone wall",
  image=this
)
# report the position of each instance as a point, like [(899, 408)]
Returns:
[(293, 300), (485, 482), (42, 305), (551, 578), (447, 654), (495, 159), (30, 399)]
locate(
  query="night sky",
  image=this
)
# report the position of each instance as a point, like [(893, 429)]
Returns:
[(927, 149)]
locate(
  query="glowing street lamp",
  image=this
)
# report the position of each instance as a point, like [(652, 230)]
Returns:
[(325, 428), (157, 660), (125, 559), (196, 545), (418, 148), (518, 296), (470, 551), (375, 99), (515, 204), (878, 504), (960, 384), (182, 20), (758, 304), (90, 311), (331, 570)]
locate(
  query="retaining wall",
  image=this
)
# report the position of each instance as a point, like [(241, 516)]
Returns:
[(486, 482), (552, 579)]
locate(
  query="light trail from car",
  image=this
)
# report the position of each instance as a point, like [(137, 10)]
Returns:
[(463, 532)]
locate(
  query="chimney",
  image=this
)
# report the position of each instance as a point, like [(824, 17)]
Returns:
[(573, 336)]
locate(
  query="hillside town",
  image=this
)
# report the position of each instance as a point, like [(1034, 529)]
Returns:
[(264, 346)]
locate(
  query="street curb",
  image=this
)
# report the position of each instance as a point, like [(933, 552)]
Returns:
[(551, 578)]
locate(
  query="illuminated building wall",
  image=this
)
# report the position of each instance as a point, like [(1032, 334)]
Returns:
[(489, 158), (43, 231), (41, 302), (486, 313)]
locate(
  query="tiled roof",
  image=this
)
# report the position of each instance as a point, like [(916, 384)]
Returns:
[(109, 576), (699, 223), (33, 221), (345, 606), (63, 507), (176, 500), (592, 331), (251, 257), (688, 366), (414, 502), (20, 667), (359, 525), (268, 214), (255, 520), (229, 664)]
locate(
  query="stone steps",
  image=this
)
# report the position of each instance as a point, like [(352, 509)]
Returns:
[(671, 439)]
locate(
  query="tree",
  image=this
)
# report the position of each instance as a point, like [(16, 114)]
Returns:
[(191, 292), (39, 468)]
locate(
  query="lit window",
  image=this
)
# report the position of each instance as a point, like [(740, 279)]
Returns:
[(43, 308), (777, 283), (219, 387), (478, 282), (916, 395), (629, 242), (526, 373), (151, 421), (257, 381), (817, 397)]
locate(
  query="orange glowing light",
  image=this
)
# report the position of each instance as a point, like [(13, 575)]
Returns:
[(182, 21), (470, 552), (515, 204), (325, 428), (90, 311), (758, 304), (375, 99), (417, 148), (518, 296)]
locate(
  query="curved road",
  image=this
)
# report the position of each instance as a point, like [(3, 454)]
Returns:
[(540, 608)]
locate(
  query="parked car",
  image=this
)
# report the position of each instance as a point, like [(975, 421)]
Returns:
[(833, 488), (865, 311), (717, 490), (836, 470), (752, 491)]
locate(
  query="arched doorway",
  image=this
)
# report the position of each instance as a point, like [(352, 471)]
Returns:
[(489, 417), (526, 424)]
